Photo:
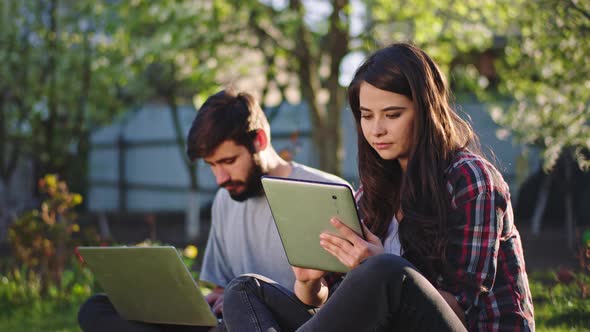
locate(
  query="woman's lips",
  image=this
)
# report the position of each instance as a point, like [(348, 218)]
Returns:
[(381, 146)]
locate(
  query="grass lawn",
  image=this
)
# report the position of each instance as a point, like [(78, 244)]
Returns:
[(43, 318), (558, 307), (561, 306)]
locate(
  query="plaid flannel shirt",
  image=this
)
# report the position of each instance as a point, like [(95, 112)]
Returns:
[(484, 248)]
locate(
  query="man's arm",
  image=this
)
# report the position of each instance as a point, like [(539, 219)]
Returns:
[(216, 268), (215, 300)]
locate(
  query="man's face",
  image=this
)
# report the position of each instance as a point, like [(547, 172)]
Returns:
[(236, 169)]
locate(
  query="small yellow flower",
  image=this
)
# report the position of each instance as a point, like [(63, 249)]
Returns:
[(75, 228), (76, 199), (51, 180), (191, 251)]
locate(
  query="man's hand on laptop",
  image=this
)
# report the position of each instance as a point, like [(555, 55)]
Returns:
[(215, 300)]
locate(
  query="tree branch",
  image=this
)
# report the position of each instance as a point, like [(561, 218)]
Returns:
[(579, 9)]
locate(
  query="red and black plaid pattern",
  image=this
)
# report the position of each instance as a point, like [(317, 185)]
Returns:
[(484, 249)]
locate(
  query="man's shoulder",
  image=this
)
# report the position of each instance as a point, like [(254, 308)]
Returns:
[(221, 196), (304, 172)]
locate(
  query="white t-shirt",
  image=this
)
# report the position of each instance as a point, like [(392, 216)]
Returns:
[(391, 242), (244, 239)]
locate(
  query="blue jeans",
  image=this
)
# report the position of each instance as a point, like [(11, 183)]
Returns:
[(384, 293)]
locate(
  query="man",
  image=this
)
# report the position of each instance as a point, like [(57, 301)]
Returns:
[(231, 133)]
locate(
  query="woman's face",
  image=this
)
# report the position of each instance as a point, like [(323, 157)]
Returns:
[(387, 121)]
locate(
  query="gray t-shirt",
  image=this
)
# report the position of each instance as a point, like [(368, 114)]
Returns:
[(243, 237)]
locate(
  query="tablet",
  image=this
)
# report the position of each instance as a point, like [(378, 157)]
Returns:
[(302, 211), (149, 284)]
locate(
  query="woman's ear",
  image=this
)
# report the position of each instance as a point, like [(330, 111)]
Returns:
[(261, 140)]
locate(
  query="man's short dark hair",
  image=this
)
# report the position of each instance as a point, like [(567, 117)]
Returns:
[(225, 115)]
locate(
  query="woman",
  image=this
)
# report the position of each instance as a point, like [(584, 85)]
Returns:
[(427, 195)]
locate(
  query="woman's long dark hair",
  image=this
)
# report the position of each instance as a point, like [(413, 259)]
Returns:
[(438, 134)]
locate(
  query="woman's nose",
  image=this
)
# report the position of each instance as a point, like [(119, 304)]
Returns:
[(378, 128)]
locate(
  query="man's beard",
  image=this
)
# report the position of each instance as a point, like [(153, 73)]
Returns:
[(252, 185)]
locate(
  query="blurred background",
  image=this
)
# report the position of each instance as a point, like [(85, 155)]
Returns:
[(96, 99)]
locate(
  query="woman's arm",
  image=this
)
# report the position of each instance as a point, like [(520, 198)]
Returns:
[(476, 220), (452, 301)]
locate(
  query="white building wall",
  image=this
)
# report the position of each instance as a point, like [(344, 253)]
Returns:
[(161, 165)]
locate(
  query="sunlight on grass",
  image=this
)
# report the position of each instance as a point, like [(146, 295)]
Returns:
[(44, 317), (561, 303)]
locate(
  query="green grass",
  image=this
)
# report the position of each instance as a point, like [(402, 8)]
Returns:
[(559, 307), (42, 317)]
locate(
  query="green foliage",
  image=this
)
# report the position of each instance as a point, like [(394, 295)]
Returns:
[(24, 307), (171, 46), (546, 71), (42, 239), (59, 78), (457, 26), (561, 305), (44, 317), (22, 287)]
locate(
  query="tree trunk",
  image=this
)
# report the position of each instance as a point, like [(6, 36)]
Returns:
[(192, 215), (325, 119), (570, 222), (4, 206), (541, 204)]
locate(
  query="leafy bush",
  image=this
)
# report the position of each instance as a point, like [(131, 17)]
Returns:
[(42, 239), (22, 287)]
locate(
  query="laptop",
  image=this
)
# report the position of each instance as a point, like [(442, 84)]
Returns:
[(302, 211), (149, 284)]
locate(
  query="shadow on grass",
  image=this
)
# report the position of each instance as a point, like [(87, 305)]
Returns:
[(575, 317)]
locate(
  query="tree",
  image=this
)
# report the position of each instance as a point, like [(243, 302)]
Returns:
[(59, 79), (173, 55), (546, 72), (293, 51), (309, 54)]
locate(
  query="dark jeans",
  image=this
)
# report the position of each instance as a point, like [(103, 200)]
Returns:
[(384, 293), (99, 314)]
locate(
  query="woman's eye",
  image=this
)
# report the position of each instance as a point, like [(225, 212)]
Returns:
[(366, 116), (393, 116)]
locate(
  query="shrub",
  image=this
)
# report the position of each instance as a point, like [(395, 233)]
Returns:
[(41, 239)]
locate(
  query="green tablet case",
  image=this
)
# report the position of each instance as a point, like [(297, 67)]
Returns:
[(302, 210)]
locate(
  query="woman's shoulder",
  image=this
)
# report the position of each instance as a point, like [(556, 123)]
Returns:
[(470, 175), (464, 158)]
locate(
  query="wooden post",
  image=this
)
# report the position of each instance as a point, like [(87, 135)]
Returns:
[(122, 179)]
